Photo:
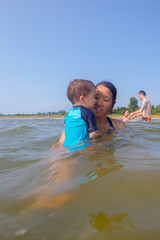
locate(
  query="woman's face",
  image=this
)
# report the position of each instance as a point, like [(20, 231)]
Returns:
[(104, 101)]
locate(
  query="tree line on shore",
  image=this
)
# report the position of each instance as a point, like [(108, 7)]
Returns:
[(60, 113), (132, 106)]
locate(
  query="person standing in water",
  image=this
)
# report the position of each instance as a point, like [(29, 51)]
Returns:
[(145, 109)]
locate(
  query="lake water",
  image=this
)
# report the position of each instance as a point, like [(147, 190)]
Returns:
[(109, 191)]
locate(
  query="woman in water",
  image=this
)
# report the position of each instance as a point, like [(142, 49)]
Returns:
[(105, 99)]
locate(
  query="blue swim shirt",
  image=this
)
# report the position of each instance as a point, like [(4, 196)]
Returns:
[(79, 122)]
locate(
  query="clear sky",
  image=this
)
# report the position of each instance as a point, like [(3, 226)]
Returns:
[(44, 44)]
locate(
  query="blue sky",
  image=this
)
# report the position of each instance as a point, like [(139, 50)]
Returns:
[(44, 44)]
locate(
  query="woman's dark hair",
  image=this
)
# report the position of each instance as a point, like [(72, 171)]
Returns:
[(111, 87)]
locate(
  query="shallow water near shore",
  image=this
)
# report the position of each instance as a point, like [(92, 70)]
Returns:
[(110, 190)]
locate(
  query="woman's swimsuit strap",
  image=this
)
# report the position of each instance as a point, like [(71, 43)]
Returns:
[(110, 122)]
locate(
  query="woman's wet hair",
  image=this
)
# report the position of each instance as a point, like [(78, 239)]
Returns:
[(111, 87), (79, 87)]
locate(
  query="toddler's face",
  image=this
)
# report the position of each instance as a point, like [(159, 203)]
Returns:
[(126, 114), (90, 100)]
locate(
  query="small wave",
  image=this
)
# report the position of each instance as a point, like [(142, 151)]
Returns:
[(19, 130)]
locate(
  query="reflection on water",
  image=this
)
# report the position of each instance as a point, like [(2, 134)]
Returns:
[(99, 172), (110, 190), (102, 222), (47, 201)]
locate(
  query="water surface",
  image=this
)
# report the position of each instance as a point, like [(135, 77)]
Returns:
[(110, 190)]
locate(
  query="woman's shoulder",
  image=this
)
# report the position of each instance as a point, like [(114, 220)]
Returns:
[(118, 124)]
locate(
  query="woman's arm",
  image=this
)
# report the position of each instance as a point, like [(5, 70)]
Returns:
[(61, 140)]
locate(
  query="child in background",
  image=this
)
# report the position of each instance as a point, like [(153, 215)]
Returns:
[(126, 115), (80, 123)]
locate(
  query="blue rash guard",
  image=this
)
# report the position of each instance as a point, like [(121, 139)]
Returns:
[(79, 122)]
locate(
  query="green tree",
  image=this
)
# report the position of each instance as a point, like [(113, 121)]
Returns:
[(157, 109), (133, 104), (62, 112), (39, 114), (119, 110)]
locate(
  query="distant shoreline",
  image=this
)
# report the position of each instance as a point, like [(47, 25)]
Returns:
[(30, 118), (59, 118)]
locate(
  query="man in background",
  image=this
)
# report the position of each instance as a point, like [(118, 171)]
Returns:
[(145, 109)]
